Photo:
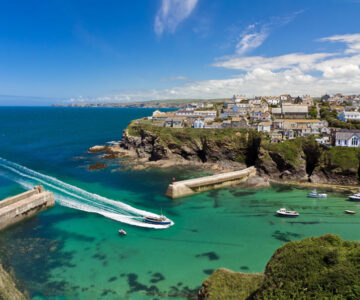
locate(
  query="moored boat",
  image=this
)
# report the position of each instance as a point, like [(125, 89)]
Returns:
[(122, 232), (315, 194), (355, 197), (161, 220), (287, 213), (350, 212)]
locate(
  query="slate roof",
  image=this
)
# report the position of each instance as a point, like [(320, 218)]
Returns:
[(346, 134)]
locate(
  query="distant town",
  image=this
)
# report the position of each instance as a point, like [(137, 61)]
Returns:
[(333, 120)]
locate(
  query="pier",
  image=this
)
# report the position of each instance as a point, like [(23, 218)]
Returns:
[(17, 208), (192, 186)]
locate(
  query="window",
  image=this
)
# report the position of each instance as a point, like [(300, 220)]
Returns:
[(345, 142), (339, 142), (354, 141)]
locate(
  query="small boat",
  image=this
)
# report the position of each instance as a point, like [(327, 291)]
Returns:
[(287, 213), (355, 197), (315, 194), (122, 232), (161, 220), (350, 212)]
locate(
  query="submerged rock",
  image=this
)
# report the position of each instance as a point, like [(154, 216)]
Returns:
[(97, 166)]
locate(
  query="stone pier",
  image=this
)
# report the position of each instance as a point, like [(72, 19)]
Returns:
[(17, 208), (192, 186)]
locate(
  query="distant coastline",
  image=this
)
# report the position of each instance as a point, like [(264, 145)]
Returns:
[(176, 103)]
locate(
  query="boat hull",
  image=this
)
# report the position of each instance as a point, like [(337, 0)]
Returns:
[(355, 199), (157, 222), (287, 215)]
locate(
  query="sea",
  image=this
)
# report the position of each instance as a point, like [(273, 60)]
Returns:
[(74, 251)]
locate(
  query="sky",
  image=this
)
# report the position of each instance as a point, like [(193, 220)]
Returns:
[(62, 51)]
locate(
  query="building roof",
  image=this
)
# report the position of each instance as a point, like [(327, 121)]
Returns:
[(276, 110), (265, 123), (346, 134), (294, 109), (351, 113)]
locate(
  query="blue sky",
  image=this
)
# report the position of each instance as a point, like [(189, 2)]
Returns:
[(129, 50)]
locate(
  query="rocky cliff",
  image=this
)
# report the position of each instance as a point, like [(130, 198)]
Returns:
[(300, 160), (8, 288)]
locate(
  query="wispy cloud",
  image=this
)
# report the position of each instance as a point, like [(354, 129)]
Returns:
[(171, 13), (251, 38), (255, 34), (352, 41)]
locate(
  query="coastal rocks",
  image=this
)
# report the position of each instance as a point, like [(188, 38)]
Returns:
[(96, 149), (8, 289), (97, 166), (336, 176), (256, 182), (274, 165)]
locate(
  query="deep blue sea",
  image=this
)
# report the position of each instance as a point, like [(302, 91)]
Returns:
[(73, 250)]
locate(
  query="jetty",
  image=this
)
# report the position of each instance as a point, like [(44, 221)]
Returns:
[(192, 186), (22, 206)]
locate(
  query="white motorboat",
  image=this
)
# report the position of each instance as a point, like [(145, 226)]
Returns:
[(287, 213), (355, 197), (315, 194)]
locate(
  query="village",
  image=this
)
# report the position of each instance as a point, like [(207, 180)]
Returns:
[(333, 120)]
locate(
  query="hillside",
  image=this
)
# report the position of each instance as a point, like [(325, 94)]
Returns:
[(301, 159), (314, 268)]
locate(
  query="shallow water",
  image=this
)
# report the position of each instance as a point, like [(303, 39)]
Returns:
[(67, 253)]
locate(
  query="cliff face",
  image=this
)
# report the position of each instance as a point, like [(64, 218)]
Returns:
[(314, 268), (8, 289), (300, 160)]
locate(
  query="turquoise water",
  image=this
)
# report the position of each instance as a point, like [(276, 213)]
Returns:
[(68, 253)]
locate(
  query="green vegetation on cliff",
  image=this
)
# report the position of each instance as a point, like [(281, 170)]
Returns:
[(226, 284), (314, 268)]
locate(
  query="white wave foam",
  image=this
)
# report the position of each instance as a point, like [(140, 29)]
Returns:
[(77, 198)]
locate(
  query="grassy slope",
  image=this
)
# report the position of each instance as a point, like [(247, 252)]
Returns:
[(226, 284), (325, 267), (317, 268)]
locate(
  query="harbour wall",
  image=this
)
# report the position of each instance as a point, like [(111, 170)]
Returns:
[(192, 186), (17, 208)]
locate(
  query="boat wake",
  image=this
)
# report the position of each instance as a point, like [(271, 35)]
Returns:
[(77, 198)]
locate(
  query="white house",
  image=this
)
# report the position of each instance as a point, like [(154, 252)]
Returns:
[(274, 101), (349, 115), (264, 126), (199, 123), (347, 138)]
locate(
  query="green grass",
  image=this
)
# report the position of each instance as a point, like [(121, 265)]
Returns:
[(318, 268), (226, 284), (323, 267)]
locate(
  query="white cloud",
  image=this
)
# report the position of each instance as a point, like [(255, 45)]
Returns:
[(171, 13), (352, 41), (250, 39), (293, 73)]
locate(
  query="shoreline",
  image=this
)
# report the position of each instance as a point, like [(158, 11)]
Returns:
[(133, 162)]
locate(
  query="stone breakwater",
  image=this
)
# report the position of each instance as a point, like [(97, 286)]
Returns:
[(20, 207), (197, 185)]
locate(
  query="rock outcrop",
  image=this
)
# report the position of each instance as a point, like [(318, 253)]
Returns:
[(8, 289), (298, 160)]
